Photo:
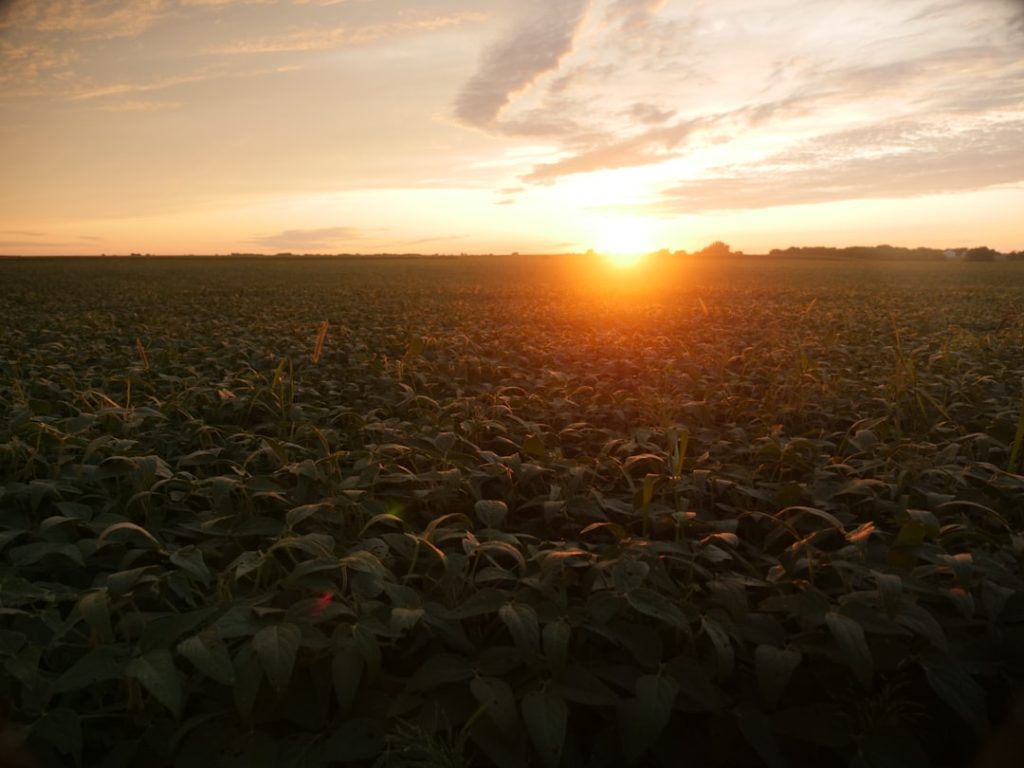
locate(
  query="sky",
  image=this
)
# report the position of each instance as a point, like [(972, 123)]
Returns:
[(480, 126)]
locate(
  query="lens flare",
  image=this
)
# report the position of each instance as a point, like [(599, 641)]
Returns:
[(624, 242)]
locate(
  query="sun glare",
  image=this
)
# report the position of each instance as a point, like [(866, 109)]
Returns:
[(624, 242)]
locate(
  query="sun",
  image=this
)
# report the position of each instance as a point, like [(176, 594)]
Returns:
[(624, 242)]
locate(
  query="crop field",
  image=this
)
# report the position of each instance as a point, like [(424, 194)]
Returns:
[(510, 511)]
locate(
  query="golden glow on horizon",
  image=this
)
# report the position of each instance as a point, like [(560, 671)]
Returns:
[(624, 242)]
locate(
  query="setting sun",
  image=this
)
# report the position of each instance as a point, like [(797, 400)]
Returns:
[(624, 241)]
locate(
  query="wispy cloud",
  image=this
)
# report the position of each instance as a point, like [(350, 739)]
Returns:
[(633, 15), (652, 146), (533, 48), (901, 160), (86, 19), (304, 240), (120, 89), (324, 38), (907, 66)]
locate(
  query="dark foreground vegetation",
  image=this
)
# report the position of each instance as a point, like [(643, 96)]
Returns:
[(516, 512)]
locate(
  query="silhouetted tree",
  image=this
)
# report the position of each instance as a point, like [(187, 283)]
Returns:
[(717, 249), (982, 253)]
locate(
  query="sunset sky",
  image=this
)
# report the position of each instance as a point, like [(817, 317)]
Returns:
[(206, 126)]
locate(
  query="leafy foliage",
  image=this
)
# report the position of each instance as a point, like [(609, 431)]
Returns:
[(501, 514)]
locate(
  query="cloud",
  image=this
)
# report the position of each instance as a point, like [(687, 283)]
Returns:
[(653, 146), (439, 239), (907, 160), (533, 48), (92, 19), (304, 240), (324, 38), (633, 15), (120, 89), (927, 82)]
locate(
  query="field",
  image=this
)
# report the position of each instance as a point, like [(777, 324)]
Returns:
[(510, 512)]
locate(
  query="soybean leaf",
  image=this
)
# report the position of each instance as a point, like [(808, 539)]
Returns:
[(491, 513), (97, 666), (557, 635), (158, 675), (210, 656), (774, 667), (958, 689), (498, 701), (757, 730), (440, 669), (190, 560), (853, 647), (628, 575), (346, 674), (277, 647), (546, 717), (642, 718), (95, 609), (61, 729), (656, 605), (355, 741), (522, 623)]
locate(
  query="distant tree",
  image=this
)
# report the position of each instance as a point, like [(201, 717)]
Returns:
[(982, 253), (717, 250)]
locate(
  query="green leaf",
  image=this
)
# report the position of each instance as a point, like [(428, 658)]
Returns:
[(11, 642), (97, 666), (774, 666), (642, 718), (919, 620), (440, 669), (546, 717), (533, 446), (346, 673), (957, 689), (815, 724), (491, 513), (246, 563), (578, 684), (210, 656), (94, 607), (162, 631), (405, 618), (722, 644), (656, 605), (355, 741), (891, 748), (522, 623), (628, 575), (557, 636), (499, 702), (60, 729), (853, 646), (158, 675), (190, 560), (480, 603), (30, 554), (277, 647), (296, 515), (757, 730), (237, 621), (122, 582), (249, 674)]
